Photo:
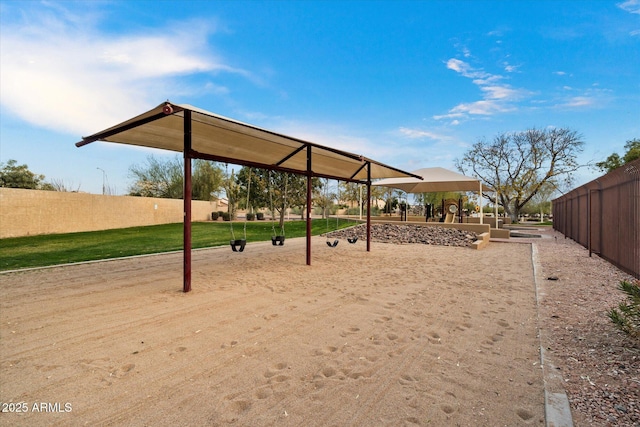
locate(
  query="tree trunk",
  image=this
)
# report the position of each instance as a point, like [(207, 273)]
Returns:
[(511, 210)]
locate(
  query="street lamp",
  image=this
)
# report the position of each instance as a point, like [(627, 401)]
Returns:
[(104, 177)]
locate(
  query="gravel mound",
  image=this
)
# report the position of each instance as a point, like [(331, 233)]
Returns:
[(395, 233)]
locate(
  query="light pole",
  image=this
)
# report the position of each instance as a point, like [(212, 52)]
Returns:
[(104, 175)]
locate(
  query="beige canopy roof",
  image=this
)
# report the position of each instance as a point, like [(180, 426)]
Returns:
[(218, 138), (434, 180), (200, 134)]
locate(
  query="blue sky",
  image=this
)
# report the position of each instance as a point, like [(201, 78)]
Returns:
[(410, 83)]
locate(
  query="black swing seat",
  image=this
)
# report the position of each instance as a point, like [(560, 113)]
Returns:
[(238, 245), (334, 244), (352, 239), (277, 240)]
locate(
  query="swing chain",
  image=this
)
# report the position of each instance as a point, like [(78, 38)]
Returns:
[(276, 240)]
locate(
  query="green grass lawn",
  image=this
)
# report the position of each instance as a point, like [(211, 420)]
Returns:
[(53, 249), (535, 224)]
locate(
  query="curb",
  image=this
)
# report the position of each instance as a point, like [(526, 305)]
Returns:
[(179, 251), (556, 403), (94, 261)]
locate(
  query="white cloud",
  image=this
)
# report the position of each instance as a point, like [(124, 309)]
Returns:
[(60, 73), (576, 98), (496, 97), (457, 65), (419, 134), (500, 92), (485, 108), (450, 115), (631, 6), (467, 70), (578, 102)]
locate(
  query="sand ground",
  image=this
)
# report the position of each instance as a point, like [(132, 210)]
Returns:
[(402, 335)]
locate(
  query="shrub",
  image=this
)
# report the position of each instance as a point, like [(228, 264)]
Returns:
[(226, 216), (627, 316), (214, 216), (260, 216), (251, 216)]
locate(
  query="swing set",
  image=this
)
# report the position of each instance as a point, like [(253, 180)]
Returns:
[(200, 134), (352, 239), (238, 245), (277, 239)]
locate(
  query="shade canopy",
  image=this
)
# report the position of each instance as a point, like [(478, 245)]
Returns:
[(218, 138), (200, 134), (434, 180)]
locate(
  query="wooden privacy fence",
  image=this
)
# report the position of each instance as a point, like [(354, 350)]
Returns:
[(604, 217)]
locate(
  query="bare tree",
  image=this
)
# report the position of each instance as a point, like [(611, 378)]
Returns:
[(60, 185), (519, 164)]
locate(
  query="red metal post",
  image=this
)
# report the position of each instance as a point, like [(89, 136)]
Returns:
[(187, 203), (309, 187), (369, 207), (589, 221)]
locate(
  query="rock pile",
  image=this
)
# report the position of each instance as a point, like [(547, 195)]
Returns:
[(401, 233)]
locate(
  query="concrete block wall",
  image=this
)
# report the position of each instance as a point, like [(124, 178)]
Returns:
[(33, 212)]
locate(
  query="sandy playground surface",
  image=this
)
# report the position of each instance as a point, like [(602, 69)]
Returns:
[(402, 335)]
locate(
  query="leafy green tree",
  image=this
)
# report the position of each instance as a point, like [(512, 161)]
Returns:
[(349, 193), (323, 198), (232, 191), (206, 181), (610, 163), (165, 179), (258, 198), (13, 175), (633, 150), (297, 191), (541, 201), (390, 204), (284, 190), (157, 178), (279, 192), (614, 161), (377, 193), (519, 164), (391, 197), (435, 199)]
